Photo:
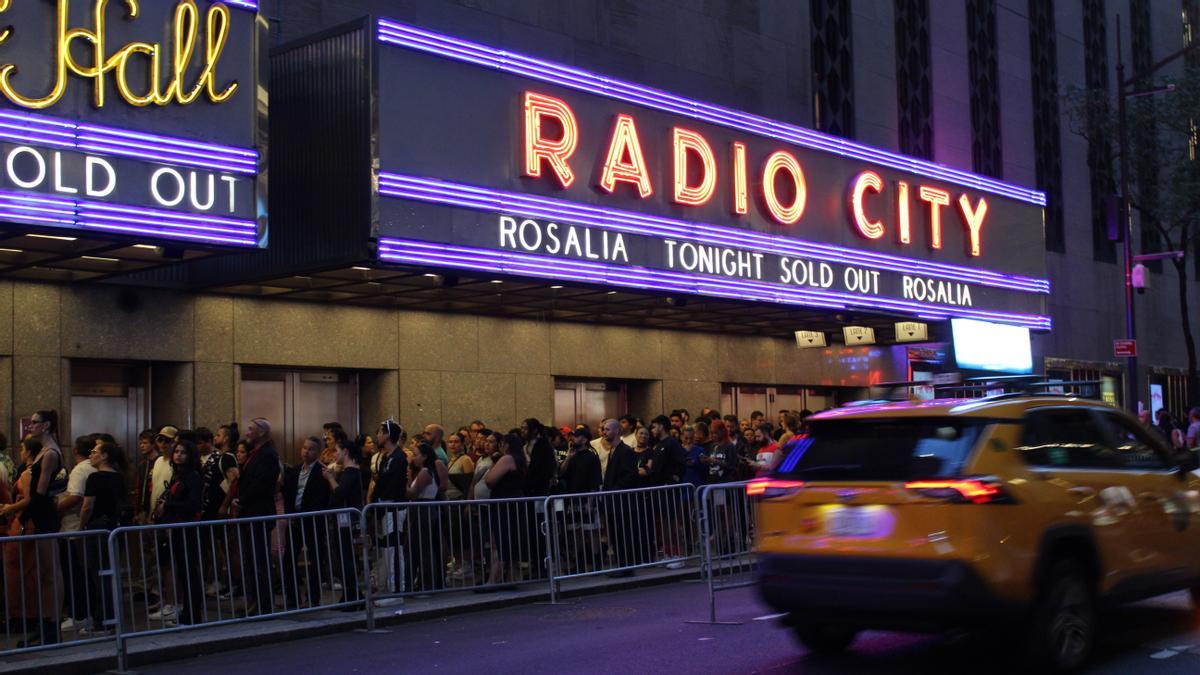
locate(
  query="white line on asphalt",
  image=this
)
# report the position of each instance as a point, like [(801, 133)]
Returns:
[(1164, 654), (770, 617)]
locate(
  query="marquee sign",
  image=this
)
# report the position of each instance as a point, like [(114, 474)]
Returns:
[(136, 118), (499, 162)]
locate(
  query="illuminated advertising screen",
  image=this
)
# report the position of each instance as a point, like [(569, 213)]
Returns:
[(138, 118), (982, 345), (495, 161)]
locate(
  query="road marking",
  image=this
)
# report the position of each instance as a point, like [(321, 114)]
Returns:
[(770, 617), (1168, 652)]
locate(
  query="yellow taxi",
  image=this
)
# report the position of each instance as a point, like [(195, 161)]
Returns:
[(1017, 510)]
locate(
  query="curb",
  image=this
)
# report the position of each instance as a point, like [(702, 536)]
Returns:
[(202, 645)]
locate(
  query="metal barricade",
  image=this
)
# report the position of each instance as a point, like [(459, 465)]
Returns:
[(727, 526), (616, 532), (53, 593), (173, 577), (427, 547)]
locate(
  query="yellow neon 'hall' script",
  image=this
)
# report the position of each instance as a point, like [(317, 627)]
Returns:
[(185, 34)]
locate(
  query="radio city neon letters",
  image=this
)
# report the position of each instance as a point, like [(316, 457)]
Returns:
[(695, 176), (185, 33)]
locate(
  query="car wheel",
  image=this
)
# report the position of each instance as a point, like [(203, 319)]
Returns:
[(824, 639), (1064, 621)]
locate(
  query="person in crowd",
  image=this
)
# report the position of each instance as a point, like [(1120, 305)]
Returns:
[(643, 456), (1169, 429), (781, 425), (330, 439), (181, 503), (757, 418), (621, 471), (155, 470), (559, 440), (580, 471), (461, 468), (435, 435), (347, 493), (21, 569), (474, 430), (508, 522), (366, 446), (543, 464), (669, 461), (791, 429), (71, 551), (425, 554), (721, 458), (216, 461), (628, 428), (257, 485), (305, 490), (602, 446), (695, 436), (687, 416), (42, 511), (490, 446), (390, 486), (764, 448), (676, 419), (105, 498)]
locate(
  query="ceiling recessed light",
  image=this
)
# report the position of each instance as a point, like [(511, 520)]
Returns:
[(149, 247), (612, 293), (299, 276), (11, 250), (361, 269), (51, 236), (374, 283), (555, 287), (497, 281), (99, 258)]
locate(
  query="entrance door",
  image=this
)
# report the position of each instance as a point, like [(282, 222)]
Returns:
[(109, 398), (588, 402), (299, 403)]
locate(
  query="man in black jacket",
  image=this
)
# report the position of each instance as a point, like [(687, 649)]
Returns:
[(305, 490), (391, 485), (257, 483), (669, 458), (622, 530), (580, 471)]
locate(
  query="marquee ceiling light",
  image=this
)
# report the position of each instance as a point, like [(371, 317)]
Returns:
[(443, 255), (457, 194), (84, 214), (50, 131), (411, 37), (249, 5)]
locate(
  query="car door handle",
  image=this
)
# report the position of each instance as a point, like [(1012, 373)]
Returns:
[(1082, 491)]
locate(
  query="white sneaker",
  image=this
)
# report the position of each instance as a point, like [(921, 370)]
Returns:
[(678, 564), (214, 589), (168, 613), (337, 585), (70, 624)]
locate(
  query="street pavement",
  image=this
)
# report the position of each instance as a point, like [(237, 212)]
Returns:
[(645, 631)]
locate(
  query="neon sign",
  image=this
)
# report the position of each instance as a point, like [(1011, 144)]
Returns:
[(185, 35)]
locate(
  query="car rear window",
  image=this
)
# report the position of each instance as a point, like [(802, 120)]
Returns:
[(882, 449)]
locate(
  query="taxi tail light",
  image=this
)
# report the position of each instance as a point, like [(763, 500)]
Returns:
[(766, 488), (985, 490)]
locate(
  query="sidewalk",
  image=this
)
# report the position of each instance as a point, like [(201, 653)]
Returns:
[(184, 644)]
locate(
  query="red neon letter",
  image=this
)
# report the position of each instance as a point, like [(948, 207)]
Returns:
[(905, 227), (778, 160), (624, 144), (685, 141), (937, 199), (740, 203), (537, 148), (973, 219), (867, 180)]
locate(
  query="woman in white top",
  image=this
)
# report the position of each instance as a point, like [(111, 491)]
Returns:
[(426, 562)]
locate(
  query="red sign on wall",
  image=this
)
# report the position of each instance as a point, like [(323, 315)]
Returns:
[(1124, 347)]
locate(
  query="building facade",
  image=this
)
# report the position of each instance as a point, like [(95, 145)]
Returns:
[(328, 303)]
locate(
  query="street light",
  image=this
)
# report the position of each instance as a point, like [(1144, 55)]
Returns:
[(1123, 84)]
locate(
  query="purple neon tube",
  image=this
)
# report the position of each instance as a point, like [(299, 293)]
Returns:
[(409, 251), (250, 5), (431, 190), (403, 35), (24, 127), (83, 214)]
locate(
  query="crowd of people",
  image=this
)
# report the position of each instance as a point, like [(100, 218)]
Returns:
[(54, 587)]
